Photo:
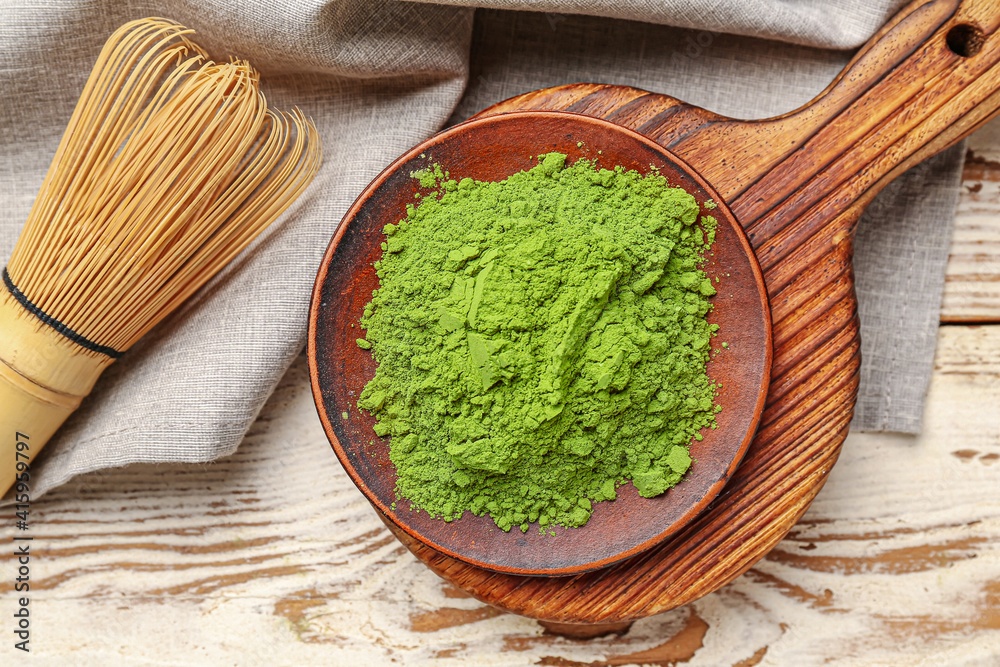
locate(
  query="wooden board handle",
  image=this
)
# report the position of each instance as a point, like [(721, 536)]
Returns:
[(924, 81)]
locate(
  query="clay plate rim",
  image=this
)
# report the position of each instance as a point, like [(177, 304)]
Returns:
[(495, 123)]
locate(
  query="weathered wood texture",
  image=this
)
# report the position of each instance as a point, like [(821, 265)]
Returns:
[(272, 556), (972, 288), (797, 184)]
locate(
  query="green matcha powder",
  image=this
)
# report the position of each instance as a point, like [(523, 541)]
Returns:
[(541, 341)]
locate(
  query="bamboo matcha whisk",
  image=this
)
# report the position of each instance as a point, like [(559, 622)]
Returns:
[(170, 165)]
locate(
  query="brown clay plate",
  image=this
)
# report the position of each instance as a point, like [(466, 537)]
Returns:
[(491, 149)]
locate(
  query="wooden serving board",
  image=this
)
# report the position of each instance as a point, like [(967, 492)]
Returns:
[(797, 184)]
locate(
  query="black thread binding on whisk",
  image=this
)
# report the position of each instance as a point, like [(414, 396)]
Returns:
[(80, 340)]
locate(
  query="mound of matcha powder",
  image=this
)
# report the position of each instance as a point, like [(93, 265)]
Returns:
[(541, 341)]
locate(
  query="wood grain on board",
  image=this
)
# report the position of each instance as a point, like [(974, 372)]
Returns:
[(797, 184)]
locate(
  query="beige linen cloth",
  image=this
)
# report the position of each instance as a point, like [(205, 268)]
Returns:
[(380, 76)]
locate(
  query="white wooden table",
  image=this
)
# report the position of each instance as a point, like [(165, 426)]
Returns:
[(271, 556)]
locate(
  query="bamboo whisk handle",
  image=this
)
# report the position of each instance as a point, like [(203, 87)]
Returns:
[(43, 378)]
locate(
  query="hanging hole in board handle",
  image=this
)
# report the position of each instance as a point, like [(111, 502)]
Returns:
[(965, 40)]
